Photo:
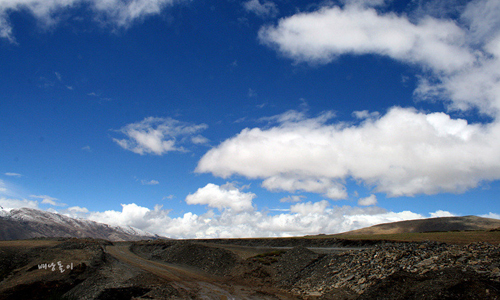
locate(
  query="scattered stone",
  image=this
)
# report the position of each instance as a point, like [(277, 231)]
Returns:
[(359, 271)]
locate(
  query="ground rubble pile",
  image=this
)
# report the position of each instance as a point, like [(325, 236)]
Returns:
[(358, 270)]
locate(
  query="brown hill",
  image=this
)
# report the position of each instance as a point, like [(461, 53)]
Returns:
[(430, 225)]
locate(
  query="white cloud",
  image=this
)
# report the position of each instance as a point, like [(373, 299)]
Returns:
[(441, 213), (370, 200), (323, 185), (302, 219), (157, 135), (292, 198), (131, 215), (199, 140), (265, 9), (365, 114), (221, 197), (17, 203), (323, 35), (151, 182), (361, 220), (78, 209), (491, 215), (404, 152), (483, 20), (120, 13), (48, 200), (309, 207), (461, 59), (13, 174)]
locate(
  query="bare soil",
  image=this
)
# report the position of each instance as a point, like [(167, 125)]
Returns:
[(248, 269)]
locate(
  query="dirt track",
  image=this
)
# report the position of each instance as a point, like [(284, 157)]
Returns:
[(163, 270), (186, 281)]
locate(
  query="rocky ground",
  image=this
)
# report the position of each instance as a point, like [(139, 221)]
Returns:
[(403, 271), (427, 270), (203, 270)]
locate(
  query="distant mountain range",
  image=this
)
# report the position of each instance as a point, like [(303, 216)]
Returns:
[(429, 225), (28, 223)]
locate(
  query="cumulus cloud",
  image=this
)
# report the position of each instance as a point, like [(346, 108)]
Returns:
[(309, 208), (157, 135), (121, 13), (131, 215), (221, 197), (370, 200), (441, 213), (263, 10), (302, 219), (404, 152), (461, 59), (314, 185), (323, 35)]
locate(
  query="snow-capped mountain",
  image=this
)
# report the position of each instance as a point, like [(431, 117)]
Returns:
[(27, 223)]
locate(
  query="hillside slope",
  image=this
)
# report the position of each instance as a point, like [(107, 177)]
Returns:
[(27, 223), (431, 224)]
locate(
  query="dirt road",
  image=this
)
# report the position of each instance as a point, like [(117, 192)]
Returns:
[(163, 270), (186, 281)]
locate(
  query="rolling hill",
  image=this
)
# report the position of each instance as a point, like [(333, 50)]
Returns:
[(430, 225)]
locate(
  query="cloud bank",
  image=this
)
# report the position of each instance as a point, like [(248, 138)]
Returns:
[(303, 219)]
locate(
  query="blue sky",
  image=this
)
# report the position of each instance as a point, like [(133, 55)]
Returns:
[(250, 118)]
